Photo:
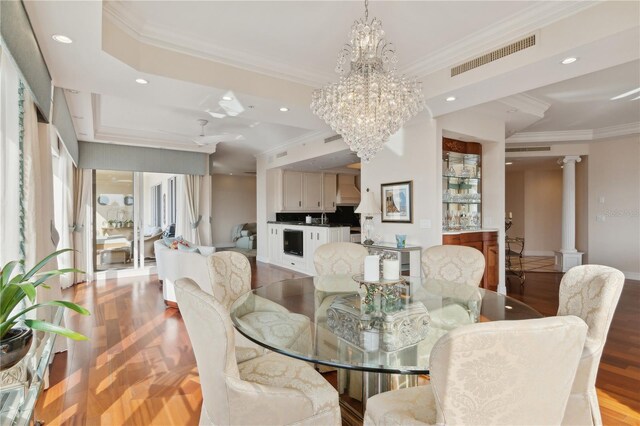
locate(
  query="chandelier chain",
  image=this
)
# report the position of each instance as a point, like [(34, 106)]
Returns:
[(366, 10)]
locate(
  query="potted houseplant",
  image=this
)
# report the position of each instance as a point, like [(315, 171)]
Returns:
[(16, 334)]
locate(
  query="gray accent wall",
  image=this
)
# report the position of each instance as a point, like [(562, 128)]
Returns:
[(103, 156), (18, 38), (64, 124)]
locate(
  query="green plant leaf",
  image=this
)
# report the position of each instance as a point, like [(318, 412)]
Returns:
[(43, 262), (63, 303), (7, 270), (48, 327), (28, 289), (43, 276)]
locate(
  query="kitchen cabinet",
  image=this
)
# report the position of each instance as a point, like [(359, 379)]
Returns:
[(487, 243), (312, 191), (306, 192), (292, 191), (275, 244), (313, 237), (329, 192)]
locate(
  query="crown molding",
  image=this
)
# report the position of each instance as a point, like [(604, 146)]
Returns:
[(156, 35), (576, 135), (616, 131), (527, 104), (501, 33)]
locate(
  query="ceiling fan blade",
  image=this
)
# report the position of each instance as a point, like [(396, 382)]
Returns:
[(214, 139)]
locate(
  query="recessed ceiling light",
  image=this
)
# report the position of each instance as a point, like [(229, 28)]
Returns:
[(62, 38), (227, 98), (141, 81), (569, 60), (508, 163), (625, 94), (451, 98), (284, 109)]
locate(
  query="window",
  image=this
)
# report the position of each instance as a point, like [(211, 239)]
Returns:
[(171, 216)]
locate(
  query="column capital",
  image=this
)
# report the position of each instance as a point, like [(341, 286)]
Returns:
[(569, 159)]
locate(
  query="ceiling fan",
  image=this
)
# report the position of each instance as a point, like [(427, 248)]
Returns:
[(207, 140)]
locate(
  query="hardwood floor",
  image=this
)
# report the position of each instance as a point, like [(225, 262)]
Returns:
[(138, 367)]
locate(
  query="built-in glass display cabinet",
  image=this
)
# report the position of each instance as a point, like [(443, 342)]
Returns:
[(461, 185)]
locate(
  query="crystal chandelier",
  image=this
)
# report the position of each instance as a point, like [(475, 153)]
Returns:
[(369, 103)]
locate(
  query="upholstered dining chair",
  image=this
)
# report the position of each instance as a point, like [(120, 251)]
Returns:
[(267, 390), (230, 278), (458, 264), (339, 259), (334, 261), (495, 373), (590, 292)]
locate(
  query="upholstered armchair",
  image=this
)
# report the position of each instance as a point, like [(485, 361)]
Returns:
[(590, 292), (230, 278), (247, 238), (457, 264), (496, 373), (270, 389)]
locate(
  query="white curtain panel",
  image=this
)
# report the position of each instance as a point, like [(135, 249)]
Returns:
[(63, 192), (9, 161), (82, 181), (191, 189), (40, 233)]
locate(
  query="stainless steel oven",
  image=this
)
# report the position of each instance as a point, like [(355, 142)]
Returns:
[(293, 242)]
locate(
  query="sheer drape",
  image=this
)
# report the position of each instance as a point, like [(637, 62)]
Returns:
[(41, 236), (9, 161), (63, 191), (81, 199), (189, 213)]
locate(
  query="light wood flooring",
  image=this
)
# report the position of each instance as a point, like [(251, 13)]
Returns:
[(138, 367)]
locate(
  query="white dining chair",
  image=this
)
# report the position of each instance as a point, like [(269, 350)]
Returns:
[(590, 292), (455, 264), (267, 390), (495, 373), (340, 259), (230, 278)]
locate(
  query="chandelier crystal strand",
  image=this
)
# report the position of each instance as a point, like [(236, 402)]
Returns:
[(369, 103)]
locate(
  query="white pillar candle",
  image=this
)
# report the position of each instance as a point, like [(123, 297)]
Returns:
[(390, 269), (372, 268)]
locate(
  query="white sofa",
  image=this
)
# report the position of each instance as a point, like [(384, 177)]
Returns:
[(175, 264)]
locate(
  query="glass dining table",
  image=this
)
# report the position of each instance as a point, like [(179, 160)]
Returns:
[(378, 337)]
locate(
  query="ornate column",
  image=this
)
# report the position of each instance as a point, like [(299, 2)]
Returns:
[(568, 257)]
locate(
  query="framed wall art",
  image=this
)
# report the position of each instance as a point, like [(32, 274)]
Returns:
[(397, 202)]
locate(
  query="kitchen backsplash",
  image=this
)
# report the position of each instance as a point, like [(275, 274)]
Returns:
[(343, 214)]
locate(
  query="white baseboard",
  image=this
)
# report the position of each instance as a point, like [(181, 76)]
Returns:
[(632, 275), (125, 273), (263, 259), (538, 253)]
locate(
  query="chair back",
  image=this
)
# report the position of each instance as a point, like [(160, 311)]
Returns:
[(590, 292), (212, 337), (230, 276), (506, 372), (340, 259), (459, 264)]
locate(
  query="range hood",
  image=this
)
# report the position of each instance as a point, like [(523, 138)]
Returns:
[(348, 194)]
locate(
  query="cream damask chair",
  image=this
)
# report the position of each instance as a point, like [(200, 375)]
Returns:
[(495, 373), (267, 390), (334, 262), (590, 292), (458, 264), (230, 278)]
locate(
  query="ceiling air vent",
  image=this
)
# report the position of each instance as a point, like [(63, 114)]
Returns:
[(495, 55), (532, 149), (281, 154), (250, 173), (332, 138)]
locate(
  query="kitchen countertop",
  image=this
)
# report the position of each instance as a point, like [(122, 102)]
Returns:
[(326, 225)]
